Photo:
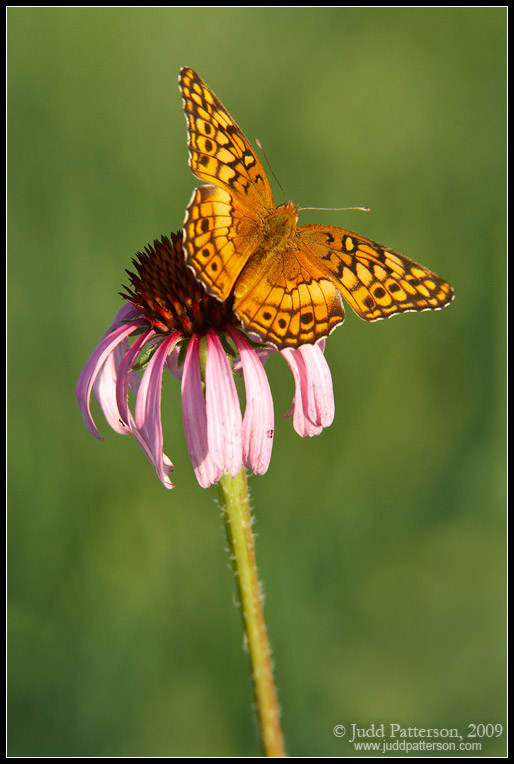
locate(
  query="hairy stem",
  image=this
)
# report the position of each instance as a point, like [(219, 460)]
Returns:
[(235, 501)]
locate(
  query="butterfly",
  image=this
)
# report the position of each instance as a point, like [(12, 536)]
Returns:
[(286, 280)]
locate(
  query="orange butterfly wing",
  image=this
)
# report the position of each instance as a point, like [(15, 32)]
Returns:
[(287, 298), (219, 238), (286, 281), (376, 281), (219, 152)]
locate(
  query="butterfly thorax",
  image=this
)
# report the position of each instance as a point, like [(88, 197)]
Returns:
[(279, 226), (275, 234)]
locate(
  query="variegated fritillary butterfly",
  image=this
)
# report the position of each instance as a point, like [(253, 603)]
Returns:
[(286, 279)]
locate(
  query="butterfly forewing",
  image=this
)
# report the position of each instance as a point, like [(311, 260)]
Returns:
[(376, 281), (219, 153)]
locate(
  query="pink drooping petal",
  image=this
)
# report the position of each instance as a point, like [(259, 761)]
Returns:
[(105, 385), (258, 420), (148, 409), (105, 389), (224, 422), (194, 411), (313, 407), (320, 392), (124, 375), (163, 465), (301, 423)]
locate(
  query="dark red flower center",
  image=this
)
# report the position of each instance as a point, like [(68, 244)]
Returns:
[(167, 293)]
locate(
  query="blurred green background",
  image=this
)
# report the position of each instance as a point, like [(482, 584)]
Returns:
[(381, 542)]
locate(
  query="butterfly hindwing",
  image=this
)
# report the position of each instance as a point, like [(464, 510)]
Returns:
[(288, 300)]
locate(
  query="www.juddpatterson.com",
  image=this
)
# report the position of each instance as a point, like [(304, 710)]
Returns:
[(394, 737)]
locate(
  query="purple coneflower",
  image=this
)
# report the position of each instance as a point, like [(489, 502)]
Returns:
[(176, 326)]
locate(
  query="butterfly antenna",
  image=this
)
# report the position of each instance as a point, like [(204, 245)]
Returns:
[(259, 144), (326, 209), (335, 209)]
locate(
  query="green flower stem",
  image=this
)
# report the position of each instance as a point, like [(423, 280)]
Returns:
[(235, 502)]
